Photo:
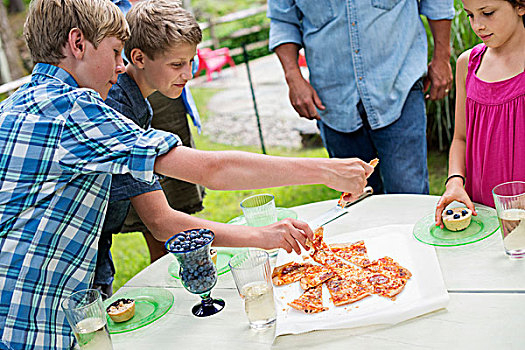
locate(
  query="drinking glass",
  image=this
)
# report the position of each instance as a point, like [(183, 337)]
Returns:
[(86, 315), (252, 275), (509, 198), (259, 210), (197, 272)]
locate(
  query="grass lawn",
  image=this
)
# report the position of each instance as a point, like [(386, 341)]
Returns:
[(130, 252)]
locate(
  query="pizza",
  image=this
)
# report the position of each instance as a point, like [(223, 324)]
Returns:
[(344, 291), (342, 202), (330, 260), (346, 271), (315, 275), (354, 252), (288, 273), (317, 243), (387, 277), (311, 301)]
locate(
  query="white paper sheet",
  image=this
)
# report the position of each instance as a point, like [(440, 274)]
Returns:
[(423, 293)]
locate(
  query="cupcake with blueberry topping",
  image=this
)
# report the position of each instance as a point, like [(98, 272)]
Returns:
[(457, 219), (121, 310)]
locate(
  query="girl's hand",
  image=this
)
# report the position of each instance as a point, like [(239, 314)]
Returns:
[(288, 234), (454, 192)]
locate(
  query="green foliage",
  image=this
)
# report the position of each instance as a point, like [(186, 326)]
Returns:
[(130, 255), (203, 9)]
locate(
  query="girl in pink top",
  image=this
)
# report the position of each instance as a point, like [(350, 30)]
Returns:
[(489, 137)]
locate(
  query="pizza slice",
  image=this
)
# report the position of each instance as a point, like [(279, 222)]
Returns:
[(311, 301), (330, 260), (314, 276), (317, 243), (344, 291), (354, 252), (342, 202), (387, 277), (288, 273)]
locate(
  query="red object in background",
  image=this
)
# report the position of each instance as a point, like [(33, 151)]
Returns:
[(302, 60), (213, 60)]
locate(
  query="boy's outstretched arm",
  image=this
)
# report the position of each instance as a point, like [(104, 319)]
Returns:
[(233, 170), (164, 222)]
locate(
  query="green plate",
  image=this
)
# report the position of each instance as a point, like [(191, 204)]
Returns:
[(481, 226), (150, 305), (223, 257), (282, 213)]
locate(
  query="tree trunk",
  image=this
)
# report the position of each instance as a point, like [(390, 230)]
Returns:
[(16, 6), (11, 63)]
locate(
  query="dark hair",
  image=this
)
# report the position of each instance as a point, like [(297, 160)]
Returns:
[(518, 3)]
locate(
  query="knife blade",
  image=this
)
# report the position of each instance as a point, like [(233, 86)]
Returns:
[(338, 211)]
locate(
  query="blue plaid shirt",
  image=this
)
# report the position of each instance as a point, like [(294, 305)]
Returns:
[(59, 145)]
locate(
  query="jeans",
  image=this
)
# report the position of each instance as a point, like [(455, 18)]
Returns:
[(401, 147)]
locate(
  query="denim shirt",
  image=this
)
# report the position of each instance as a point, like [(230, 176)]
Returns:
[(368, 50)]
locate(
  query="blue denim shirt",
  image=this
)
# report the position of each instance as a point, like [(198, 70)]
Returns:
[(369, 50), (125, 97)]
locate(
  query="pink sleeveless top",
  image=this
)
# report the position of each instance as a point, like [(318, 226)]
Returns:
[(495, 128)]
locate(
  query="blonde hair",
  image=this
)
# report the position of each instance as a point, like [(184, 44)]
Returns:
[(158, 25), (49, 22)]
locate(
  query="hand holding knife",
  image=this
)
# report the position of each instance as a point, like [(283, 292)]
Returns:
[(341, 208)]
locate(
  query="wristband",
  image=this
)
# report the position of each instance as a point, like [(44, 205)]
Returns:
[(456, 175)]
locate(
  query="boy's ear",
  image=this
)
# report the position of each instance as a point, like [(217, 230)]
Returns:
[(137, 58), (76, 43)]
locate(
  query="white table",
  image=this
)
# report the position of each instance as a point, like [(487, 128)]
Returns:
[(486, 309)]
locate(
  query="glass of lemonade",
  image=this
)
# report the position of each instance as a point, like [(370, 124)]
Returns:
[(252, 275), (86, 315), (509, 198)]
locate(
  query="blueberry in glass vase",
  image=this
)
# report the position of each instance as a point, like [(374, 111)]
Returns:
[(198, 273)]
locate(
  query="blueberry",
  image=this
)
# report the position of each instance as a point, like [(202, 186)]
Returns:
[(464, 212), (456, 216), (449, 212)]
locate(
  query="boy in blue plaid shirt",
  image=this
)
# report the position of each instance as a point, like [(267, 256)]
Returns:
[(60, 145)]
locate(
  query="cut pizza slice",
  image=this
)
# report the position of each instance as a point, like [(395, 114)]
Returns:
[(344, 291), (329, 259), (354, 252), (315, 275), (288, 273), (342, 202), (317, 243), (311, 301), (387, 277)]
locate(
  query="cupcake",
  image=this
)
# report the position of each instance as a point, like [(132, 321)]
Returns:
[(457, 219), (121, 310)]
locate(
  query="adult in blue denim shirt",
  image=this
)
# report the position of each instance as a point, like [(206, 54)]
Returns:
[(367, 60)]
